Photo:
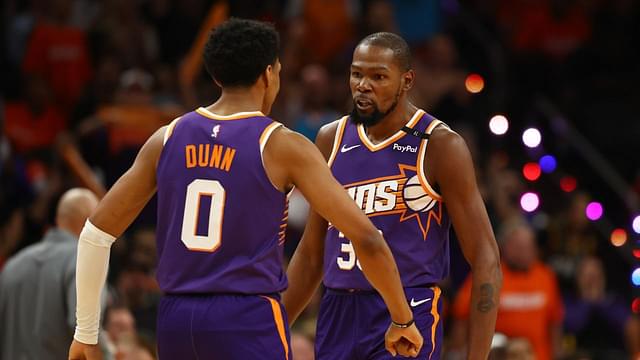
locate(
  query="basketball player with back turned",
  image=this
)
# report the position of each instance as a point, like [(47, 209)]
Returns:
[(222, 174), (412, 176)]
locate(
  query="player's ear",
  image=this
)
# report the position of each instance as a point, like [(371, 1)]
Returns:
[(408, 78), (267, 75)]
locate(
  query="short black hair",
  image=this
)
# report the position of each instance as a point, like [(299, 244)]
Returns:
[(387, 40), (239, 50)]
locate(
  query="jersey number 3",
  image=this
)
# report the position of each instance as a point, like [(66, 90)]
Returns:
[(211, 241)]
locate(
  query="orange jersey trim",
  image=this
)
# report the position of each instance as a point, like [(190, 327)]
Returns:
[(393, 138), (277, 316), (237, 116)]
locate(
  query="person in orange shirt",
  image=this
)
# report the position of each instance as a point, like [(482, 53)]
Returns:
[(530, 305), (58, 53)]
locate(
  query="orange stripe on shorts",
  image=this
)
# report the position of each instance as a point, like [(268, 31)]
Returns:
[(277, 316), (436, 318)]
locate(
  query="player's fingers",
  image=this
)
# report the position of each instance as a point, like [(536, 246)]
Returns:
[(390, 346)]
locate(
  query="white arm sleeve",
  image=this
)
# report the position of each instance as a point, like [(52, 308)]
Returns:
[(94, 247)]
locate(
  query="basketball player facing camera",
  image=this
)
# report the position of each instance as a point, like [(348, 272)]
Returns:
[(413, 177)]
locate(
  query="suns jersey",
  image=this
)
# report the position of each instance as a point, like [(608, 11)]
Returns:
[(221, 222), (387, 181)]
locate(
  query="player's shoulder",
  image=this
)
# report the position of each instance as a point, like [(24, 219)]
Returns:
[(327, 133)]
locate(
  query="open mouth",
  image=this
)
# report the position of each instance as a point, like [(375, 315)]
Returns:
[(363, 104)]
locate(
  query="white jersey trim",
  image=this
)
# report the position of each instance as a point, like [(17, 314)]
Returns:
[(337, 140), (422, 175)]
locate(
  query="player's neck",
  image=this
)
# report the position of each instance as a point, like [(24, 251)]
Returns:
[(392, 123), (237, 100)]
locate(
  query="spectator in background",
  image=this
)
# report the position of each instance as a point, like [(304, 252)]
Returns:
[(329, 26), (121, 333), (442, 86), (530, 306), (33, 124), (601, 322), (315, 111), (57, 52), (519, 349), (37, 287), (571, 238), (301, 347)]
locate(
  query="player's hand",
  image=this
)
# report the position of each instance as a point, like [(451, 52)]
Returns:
[(80, 351), (405, 342)]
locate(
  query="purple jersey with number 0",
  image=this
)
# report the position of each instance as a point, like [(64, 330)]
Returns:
[(221, 221)]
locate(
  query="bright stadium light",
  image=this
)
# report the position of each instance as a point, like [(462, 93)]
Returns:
[(531, 137), (529, 202), (636, 224), (531, 171), (474, 83), (499, 125), (594, 211), (635, 277), (618, 237), (548, 164), (568, 184)]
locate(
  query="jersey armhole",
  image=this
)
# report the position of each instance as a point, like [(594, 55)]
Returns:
[(337, 139), (422, 153), (169, 130), (264, 138)]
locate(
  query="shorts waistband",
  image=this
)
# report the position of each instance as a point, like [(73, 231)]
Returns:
[(371, 291), (202, 295)]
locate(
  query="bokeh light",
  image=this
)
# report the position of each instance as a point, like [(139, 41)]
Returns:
[(499, 125), (636, 224), (635, 306), (568, 184), (531, 137), (618, 237), (529, 202), (636, 253), (474, 83), (635, 277), (594, 211), (548, 163), (531, 171)]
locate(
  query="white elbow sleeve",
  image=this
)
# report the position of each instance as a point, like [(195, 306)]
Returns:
[(94, 247)]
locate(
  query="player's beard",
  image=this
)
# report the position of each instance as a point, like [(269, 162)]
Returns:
[(375, 117)]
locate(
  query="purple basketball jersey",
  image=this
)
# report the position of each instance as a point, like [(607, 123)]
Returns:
[(221, 221), (388, 182)]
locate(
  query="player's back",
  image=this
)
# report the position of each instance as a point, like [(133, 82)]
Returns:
[(221, 221)]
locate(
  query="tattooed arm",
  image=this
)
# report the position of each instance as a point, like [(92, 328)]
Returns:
[(451, 168)]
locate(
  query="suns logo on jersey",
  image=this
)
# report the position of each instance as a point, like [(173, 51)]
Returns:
[(397, 194)]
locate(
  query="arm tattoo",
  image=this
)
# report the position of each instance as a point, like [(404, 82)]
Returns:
[(485, 304)]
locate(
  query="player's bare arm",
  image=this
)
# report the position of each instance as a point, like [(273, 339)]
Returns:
[(305, 268), (116, 211), (290, 160), (452, 169), (129, 195)]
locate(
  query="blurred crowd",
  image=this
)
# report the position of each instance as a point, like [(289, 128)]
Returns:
[(85, 82)]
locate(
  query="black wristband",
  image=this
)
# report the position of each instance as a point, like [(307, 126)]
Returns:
[(402, 326)]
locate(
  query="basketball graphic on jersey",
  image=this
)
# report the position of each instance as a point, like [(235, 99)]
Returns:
[(415, 197)]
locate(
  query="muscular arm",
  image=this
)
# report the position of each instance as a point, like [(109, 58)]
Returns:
[(128, 196), (113, 215), (305, 268), (292, 159), (452, 168)]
